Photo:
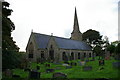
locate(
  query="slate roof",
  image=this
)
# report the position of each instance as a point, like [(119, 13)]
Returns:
[(64, 43)]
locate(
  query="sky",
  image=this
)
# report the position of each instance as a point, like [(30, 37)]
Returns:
[(57, 17)]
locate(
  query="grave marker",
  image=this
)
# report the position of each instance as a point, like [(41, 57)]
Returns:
[(87, 68), (59, 75), (34, 74), (49, 70)]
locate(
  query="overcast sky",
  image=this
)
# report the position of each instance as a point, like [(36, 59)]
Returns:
[(57, 16)]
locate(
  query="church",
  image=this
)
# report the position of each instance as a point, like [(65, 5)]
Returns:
[(56, 49)]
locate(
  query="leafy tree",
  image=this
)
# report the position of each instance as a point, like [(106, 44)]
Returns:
[(9, 49), (111, 48), (92, 37)]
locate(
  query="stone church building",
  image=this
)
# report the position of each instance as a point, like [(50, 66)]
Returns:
[(49, 47)]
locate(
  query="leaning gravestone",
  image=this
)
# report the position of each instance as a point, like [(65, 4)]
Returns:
[(34, 74), (59, 75), (87, 68)]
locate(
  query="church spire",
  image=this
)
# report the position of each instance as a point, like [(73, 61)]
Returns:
[(76, 24), (76, 34)]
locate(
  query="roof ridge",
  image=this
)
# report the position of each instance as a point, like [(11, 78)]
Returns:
[(57, 37)]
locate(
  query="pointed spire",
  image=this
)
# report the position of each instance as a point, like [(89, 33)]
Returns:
[(76, 34), (76, 24)]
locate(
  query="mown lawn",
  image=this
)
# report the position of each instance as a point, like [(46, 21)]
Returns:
[(75, 71)]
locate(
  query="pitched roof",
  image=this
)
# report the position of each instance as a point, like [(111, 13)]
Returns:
[(64, 43)]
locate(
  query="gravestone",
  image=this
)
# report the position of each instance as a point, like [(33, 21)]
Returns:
[(8, 73), (68, 67), (58, 63), (82, 63), (73, 64), (38, 67), (34, 74), (66, 62), (87, 68), (101, 62), (47, 65), (27, 69), (15, 76), (65, 65), (59, 75), (49, 70), (57, 68), (87, 60), (116, 64)]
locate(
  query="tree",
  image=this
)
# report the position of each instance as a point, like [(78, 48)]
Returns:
[(111, 48), (92, 37), (9, 48)]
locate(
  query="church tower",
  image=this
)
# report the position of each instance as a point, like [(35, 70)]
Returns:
[(76, 34)]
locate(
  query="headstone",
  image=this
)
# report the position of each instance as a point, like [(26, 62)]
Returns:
[(87, 68), (65, 65), (59, 75), (47, 65), (27, 69), (92, 60), (117, 57), (82, 63), (57, 68), (34, 74), (15, 76), (38, 67), (116, 64), (58, 63), (101, 62), (73, 64), (66, 62), (49, 70), (8, 73), (87, 60), (68, 67)]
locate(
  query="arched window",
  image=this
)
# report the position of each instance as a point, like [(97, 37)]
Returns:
[(72, 56), (84, 55), (78, 55), (89, 54), (63, 55)]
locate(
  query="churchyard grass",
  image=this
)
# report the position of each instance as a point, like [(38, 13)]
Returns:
[(75, 71)]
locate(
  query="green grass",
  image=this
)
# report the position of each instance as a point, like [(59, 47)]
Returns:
[(75, 71)]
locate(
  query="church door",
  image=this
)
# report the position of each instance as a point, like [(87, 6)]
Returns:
[(51, 54)]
